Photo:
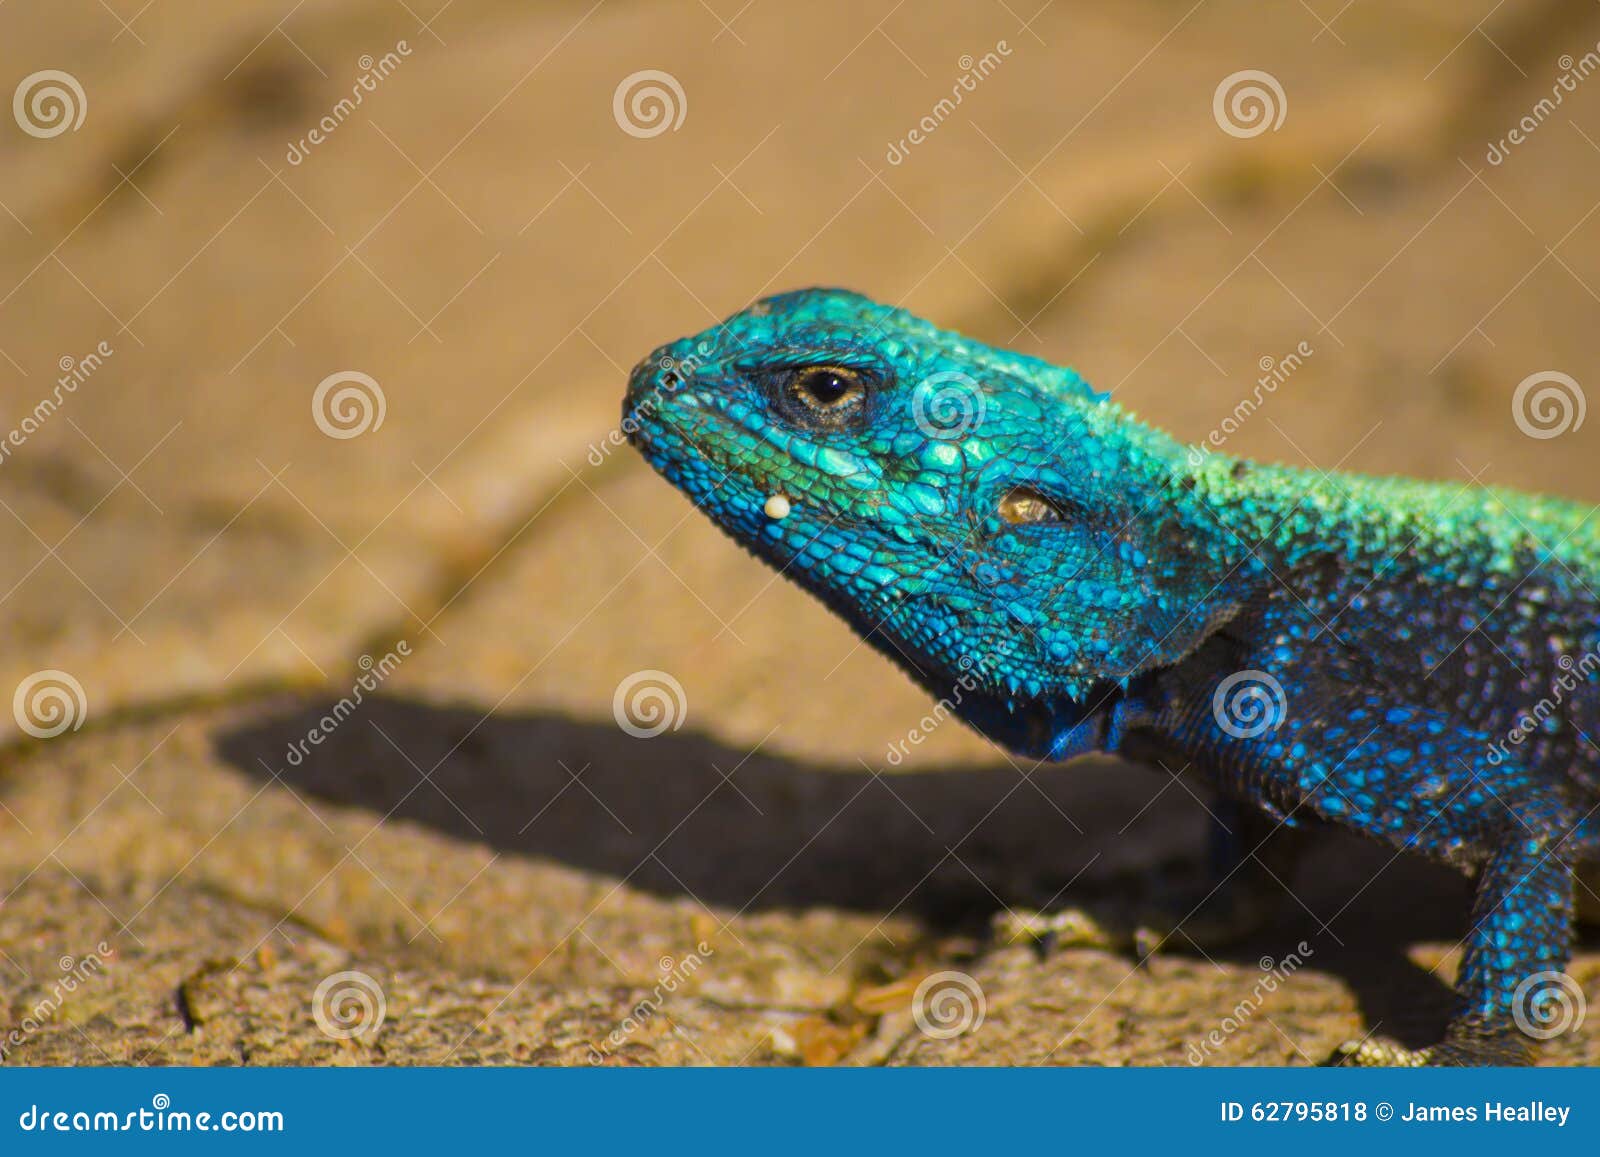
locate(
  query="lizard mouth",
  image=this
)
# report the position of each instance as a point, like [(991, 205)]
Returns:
[(714, 438)]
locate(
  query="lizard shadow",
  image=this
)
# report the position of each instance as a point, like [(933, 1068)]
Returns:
[(683, 814)]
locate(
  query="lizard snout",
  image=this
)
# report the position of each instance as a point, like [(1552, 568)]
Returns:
[(647, 382), (643, 377)]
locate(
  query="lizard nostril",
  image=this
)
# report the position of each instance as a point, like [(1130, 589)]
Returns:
[(644, 375)]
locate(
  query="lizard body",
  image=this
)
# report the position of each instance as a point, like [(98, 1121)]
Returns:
[(1419, 662)]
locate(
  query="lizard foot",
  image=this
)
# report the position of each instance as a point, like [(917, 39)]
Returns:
[(1377, 1053), (1466, 1044)]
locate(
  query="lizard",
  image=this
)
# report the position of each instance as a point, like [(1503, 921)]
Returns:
[(1415, 661)]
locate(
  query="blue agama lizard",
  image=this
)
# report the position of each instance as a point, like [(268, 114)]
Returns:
[(1419, 662)]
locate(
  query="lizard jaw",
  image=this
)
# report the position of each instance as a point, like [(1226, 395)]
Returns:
[(700, 430)]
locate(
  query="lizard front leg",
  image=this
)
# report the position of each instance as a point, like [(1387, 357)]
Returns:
[(1521, 931), (1511, 990), (1347, 753)]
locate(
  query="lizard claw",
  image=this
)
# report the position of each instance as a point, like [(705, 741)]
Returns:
[(1376, 1052), (1467, 1043)]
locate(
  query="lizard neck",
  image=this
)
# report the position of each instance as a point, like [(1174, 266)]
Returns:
[(1288, 516)]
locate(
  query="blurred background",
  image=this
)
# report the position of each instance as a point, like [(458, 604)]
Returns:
[(314, 321)]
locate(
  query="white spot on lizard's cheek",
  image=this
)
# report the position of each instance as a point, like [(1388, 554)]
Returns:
[(777, 507)]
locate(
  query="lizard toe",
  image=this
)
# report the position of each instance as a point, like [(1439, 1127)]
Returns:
[(1376, 1053), (1468, 1043)]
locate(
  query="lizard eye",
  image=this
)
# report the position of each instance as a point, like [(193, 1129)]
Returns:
[(1021, 505), (825, 391)]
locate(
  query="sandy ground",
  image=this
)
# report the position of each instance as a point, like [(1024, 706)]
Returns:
[(478, 865)]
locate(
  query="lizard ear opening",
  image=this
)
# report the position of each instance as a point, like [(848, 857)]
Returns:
[(1022, 505)]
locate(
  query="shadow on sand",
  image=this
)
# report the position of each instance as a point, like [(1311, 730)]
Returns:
[(683, 814)]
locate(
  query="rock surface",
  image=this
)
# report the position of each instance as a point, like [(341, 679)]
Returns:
[(234, 861)]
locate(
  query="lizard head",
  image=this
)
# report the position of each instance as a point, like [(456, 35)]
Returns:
[(975, 513)]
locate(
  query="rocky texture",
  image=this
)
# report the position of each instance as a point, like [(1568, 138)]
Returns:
[(516, 875)]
